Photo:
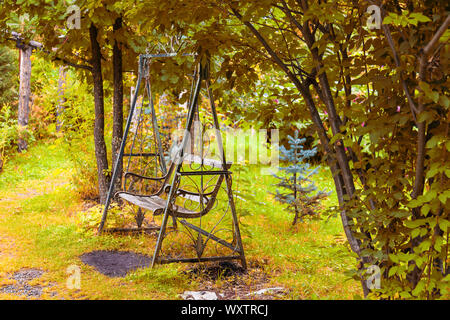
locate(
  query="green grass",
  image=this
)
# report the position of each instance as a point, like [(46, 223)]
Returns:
[(38, 216), (34, 164), (309, 256)]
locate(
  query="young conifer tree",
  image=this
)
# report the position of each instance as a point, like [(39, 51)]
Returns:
[(297, 189)]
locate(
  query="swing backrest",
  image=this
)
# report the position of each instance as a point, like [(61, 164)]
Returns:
[(205, 200), (162, 181)]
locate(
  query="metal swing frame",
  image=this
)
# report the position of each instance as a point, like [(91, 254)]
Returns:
[(176, 172)]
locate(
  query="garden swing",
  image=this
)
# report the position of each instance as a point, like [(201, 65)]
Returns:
[(190, 186)]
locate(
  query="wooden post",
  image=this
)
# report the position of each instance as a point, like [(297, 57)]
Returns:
[(61, 99), (24, 95)]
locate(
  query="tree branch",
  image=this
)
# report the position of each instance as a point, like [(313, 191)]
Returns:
[(429, 47), (37, 45), (412, 105)]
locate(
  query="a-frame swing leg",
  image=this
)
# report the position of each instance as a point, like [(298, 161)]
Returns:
[(162, 230), (158, 138), (173, 187), (236, 230), (161, 235)]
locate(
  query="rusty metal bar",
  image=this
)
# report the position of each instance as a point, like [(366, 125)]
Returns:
[(112, 230), (131, 229), (203, 173), (202, 259), (209, 235), (145, 154)]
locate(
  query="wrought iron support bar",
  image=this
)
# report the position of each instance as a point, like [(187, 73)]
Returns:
[(203, 259), (203, 173), (209, 235), (145, 154)]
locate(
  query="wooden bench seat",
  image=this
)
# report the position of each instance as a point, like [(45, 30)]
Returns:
[(157, 204)]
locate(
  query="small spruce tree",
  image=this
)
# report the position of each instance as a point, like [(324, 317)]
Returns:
[(298, 190)]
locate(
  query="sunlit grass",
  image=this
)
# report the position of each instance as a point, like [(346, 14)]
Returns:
[(41, 161), (38, 228)]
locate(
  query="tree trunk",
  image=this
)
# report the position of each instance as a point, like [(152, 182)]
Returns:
[(24, 96), (117, 105), (99, 125), (61, 99)]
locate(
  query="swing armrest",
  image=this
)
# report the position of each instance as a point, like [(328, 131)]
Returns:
[(186, 193), (191, 158), (203, 173), (145, 177), (183, 193)]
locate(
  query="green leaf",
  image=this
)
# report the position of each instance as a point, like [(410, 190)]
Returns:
[(415, 233), (393, 258), (443, 198), (444, 101), (414, 203), (425, 209), (430, 195), (416, 17), (392, 271), (425, 245), (412, 224), (419, 288), (336, 137), (433, 141), (405, 295), (444, 224)]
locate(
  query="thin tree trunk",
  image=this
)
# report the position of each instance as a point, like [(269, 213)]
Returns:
[(117, 104), (24, 95), (61, 99), (335, 158), (99, 125), (295, 199)]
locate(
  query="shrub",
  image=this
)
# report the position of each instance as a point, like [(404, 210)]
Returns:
[(10, 132), (84, 177), (8, 76), (118, 217)]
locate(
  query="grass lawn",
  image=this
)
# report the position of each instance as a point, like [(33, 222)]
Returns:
[(39, 229)]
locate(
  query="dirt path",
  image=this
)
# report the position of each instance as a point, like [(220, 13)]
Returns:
[(21, 281)]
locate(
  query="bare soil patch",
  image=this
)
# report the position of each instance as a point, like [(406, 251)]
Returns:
[(115, 263)]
